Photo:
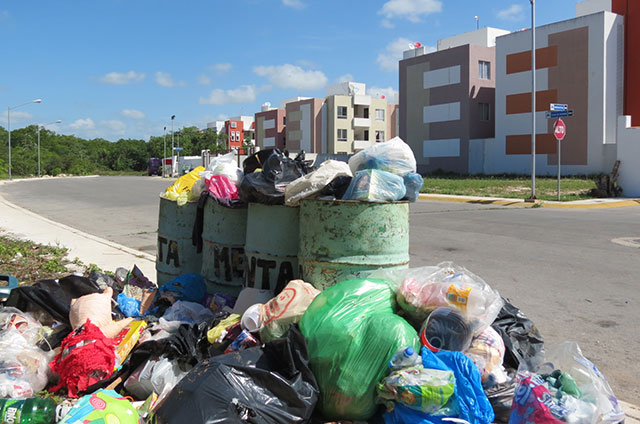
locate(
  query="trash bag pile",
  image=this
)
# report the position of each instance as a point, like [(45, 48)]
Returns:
[(421, 345), (385, 172)]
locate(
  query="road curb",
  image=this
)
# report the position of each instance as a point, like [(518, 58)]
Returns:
[(596, 204), (632, 413)]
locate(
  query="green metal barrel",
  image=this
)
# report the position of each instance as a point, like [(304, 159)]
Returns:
[(272, 246), (344, 239), (223, 237), (176, 255)]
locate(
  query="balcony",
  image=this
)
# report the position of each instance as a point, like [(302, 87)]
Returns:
[(360, 144), (361, 99), (361, 122)]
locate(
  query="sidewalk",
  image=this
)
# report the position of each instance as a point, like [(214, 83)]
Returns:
[(107, 255), (577, 204)]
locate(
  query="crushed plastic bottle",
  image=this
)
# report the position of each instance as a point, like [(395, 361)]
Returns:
[(405, 358)]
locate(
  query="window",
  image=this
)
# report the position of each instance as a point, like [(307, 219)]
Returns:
[(485, 111), (342, 112), (366, 135), (284, 120), (342, 135), (484, 70), (366, 112), (379, 114), (234, 125), (379, 136)]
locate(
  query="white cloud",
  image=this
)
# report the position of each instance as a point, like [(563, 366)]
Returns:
[(242, 94), (392, 54), (121, 79), (413, 10), (346, 78), (291, 76), (221, 68), (513, 13), (165, 80), (83, 124), (390, 95), (386, 23), (16, 116), (133, 114), (203, 79), (114, 127), (307, 63), (295, 4)]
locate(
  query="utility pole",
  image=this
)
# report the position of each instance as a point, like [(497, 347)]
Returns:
[(533, 100)]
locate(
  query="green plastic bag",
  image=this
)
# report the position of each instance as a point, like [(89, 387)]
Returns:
[(352, 332)]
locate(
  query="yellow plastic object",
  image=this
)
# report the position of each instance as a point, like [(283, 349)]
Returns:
[(127, 340), (179, 191), (215, 333)]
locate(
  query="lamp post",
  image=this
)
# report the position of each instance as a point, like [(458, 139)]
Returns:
[(40, 126), (9, 109), (164, 157), (533, 100), (173, 165), (477, 22)]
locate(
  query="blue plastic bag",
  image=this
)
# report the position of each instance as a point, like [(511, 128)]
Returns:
[(189, 287), (129, 306), (472, 404), (413, 182), (373, 185)]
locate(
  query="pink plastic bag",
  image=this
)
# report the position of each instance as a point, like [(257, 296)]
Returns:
[(221, 186), (533, 403)]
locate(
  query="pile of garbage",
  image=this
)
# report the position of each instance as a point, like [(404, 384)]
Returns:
[(385, 172), (420, 345)]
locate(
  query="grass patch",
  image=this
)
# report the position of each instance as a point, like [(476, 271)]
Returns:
[(29, 262), (510, 186)]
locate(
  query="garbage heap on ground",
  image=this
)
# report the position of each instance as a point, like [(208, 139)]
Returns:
[(418, 345), (385, 172)]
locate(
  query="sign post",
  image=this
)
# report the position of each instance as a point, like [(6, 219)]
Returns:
[(559, 131)]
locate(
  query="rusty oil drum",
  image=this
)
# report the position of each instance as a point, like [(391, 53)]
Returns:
[(175, 253), (345, 239), (271, 246), (223, 258)]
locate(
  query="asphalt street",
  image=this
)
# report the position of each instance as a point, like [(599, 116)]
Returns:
[(564, 268)]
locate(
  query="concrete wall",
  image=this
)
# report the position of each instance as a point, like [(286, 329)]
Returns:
[(482, 37), (628, 155), (270, 131), (577, 65)]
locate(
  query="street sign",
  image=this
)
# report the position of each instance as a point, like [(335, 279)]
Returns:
[(557, 107), (558, 114), (177, 149), (559, 130)]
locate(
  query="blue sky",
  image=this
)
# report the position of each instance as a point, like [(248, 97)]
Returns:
[(120, 68)]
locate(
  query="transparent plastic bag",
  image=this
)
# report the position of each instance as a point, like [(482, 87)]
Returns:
[(487, 352), (314, 182), (413, 183), (422, 290), (393, 156), (24, 323), (372, 185), (571, 388), (24, 368)]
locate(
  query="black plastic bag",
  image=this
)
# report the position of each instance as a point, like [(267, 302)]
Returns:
[(521, 337), (258, 385), (501, 398), (337, 187), (256, 161)]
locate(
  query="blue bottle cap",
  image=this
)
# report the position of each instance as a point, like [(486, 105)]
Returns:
[(409, 351)]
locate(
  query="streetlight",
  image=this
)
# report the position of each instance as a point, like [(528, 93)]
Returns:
[(164, 158), (39, 126), (477, 22), (533, 99), (173, 165), (9, 126)]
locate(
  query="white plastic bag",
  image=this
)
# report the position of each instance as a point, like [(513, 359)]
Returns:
[(421, 290), (393, 156), (187, 312), (313, 183), (155, 375), (373, 185), (24, 368), (224, 165)]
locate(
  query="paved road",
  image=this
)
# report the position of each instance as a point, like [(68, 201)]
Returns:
[(559, 266)]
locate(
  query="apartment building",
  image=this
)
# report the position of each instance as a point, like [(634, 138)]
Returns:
[(270, 128), (448, 100), (344, 122)]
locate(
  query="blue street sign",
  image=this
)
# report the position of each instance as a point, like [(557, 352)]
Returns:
[(177, 149), (558, 114), (557, 107)]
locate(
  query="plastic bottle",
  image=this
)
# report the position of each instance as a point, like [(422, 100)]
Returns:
[(405, 358), (27, 411)]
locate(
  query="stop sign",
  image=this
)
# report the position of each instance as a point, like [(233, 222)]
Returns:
[(559, 129)]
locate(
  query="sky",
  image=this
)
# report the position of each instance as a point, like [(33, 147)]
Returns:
[(120, 68)]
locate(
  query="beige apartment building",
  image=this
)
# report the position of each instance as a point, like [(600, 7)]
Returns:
[(344, 122)]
